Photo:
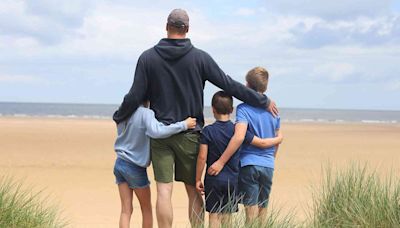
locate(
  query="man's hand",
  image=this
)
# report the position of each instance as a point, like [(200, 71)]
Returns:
[(215, 168), (190, 122), (273, 109), (200, 187)]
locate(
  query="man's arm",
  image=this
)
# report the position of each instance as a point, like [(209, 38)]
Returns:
[(217, 77), (201, 162), (267, 142), (136, 94), (233, 146)]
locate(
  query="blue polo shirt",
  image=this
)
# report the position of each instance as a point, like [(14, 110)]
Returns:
[(263, 124), (217, 137)]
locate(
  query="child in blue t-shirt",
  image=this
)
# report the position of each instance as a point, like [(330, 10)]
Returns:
[(221, 191), (257, 164)]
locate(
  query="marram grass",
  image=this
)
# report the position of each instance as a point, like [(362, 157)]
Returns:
[(22, 208), (356, 197), (352, 197)]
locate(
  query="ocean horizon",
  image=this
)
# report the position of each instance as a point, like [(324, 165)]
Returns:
[(105, 111)]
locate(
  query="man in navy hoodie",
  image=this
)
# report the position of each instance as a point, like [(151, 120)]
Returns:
[(172, 75)]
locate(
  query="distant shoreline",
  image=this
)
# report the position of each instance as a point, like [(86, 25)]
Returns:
[(288, 115), (207, 120)]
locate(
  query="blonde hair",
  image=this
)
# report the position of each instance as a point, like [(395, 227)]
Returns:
[(257, 79)]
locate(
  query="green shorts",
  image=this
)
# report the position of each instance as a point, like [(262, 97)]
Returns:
[(177, 153)]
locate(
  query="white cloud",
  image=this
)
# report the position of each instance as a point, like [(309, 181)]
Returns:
[(27, 79), (244, 12), (331, 10), (335, 72)]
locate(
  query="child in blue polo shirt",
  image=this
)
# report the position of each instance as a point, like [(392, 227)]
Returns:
[(221, 191), (257, 164)]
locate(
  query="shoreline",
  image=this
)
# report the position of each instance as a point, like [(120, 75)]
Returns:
[(207, 120)]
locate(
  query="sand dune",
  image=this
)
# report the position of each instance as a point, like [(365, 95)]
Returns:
[(73, 159)]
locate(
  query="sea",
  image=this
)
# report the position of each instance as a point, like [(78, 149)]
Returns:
[(105, 111)]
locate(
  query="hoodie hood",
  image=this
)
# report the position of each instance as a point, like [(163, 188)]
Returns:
[(171, 49)]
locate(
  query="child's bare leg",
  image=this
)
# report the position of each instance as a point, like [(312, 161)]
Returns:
[(126, 195), (262, 214), (226, 220), (144, 197), (251, 214), (214, 220)]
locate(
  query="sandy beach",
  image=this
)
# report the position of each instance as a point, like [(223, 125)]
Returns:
[(72, 160)]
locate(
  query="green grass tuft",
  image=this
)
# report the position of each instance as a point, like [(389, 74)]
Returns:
[(23, 208), (356, 198)]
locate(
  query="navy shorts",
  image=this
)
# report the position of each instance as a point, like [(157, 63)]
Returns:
[(130, 173), (255, 185), (221, 196)]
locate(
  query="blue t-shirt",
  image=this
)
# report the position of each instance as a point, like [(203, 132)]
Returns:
[(261, 123), (217, 137)]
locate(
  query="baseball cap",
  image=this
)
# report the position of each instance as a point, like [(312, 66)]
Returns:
[(178, 18)]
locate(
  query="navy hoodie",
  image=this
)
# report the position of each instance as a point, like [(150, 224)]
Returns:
[(172, 76)]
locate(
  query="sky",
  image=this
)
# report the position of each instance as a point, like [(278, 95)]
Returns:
[(319, 53)]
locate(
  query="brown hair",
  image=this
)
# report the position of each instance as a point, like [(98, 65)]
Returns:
[(177, 30), (257, 79), (222, 103)]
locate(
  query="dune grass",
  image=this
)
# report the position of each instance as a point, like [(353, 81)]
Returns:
[(20, 207), (353, 197), (356, 197)]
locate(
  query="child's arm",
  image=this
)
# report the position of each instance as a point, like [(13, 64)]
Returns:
[(156, 129), (201, 162), (233, 146), (267, 142), (278, 132)]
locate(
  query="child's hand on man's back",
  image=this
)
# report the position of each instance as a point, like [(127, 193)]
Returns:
[(190, 122)]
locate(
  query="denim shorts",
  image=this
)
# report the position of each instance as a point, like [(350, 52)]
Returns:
[(221, 196), (255, 185), (127, 172)]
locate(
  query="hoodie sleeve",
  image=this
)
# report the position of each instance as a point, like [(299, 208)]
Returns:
[(216, 76), (155, 129), (136, 94)]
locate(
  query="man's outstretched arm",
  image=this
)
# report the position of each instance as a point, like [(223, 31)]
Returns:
[(135, 96), (216, 76)]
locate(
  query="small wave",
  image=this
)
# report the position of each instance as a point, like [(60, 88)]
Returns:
[(306, 120), (20, 115), (53, 116), (375, 121)]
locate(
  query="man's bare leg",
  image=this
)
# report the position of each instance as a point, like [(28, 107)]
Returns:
[(196, 206), (164, 205), (144, 197)]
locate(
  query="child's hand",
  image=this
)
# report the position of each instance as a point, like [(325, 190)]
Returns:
[(200, 187), (215, 168), (190, 122), (280, 137)]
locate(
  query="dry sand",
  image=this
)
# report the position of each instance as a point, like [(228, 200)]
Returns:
[(73, 160)]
